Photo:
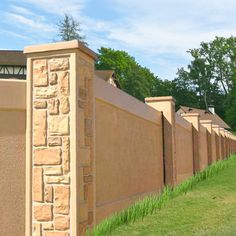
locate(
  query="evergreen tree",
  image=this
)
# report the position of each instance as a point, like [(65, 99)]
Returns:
[(69, 29)]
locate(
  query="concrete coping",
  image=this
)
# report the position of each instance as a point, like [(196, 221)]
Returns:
[(160, 99), (190, 115), (206, 121), (216, 126), (74, 44)]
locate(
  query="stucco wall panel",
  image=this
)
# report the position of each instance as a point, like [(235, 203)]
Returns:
[(12, 157), (203, 148), (128, 157), (214, 147), (184, 152), (12, 172)]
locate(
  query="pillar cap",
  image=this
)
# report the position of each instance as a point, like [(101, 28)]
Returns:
[(160, 99), (206, 121), (74, 44), (190, 114)]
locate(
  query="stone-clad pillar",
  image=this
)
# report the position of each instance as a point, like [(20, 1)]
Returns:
[(167, 106), (59, 184), (193, 118)]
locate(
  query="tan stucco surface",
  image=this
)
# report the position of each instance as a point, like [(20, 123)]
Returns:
[(12, 172), (12, 157), (184, 150), (91, 149), (128, 157), (213, 143), (203, 148)]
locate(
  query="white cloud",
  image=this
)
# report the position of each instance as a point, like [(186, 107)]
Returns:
[(156, 32), (28, 23), (20, 36), (25, 24), (165, 27), (59, 7), (21, 10)]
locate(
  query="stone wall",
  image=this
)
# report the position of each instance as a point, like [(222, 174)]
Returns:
[(60, 139), (51, 145), (85, 144), (92, 150)]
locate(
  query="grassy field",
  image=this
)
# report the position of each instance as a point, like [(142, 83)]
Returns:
[(209, 208)]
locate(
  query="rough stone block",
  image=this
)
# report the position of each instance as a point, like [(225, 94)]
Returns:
[(81, 104), (48, 196), (62, 223), (38, 184), (65, 83), (59, 64), (65, 179), (58, 125), (53, 170), (37, 229), (54, 141), (65, 105), (62, 200), (82, 93), (81, 189), (83, 228), (66, 155), (88, 179), (90, 197), (53, 106), (47, 156), (81, 127), (83, 212), (46, 93), (39, 127), (53, 78), (47, 226), (88, 127), (40, 73), (43, 212), (40, 104), (84, 156), (87, 170), (90, 218)]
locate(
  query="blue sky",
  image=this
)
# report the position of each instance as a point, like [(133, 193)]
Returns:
[(156, 32)]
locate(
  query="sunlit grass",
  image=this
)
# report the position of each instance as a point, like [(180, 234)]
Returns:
[(152, 204)]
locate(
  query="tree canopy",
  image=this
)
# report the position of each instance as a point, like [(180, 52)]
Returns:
[(136, 80), (209, 79), (211, 76)]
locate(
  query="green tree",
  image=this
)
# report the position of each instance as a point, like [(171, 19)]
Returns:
[(69, 29), (183, 90), (136, 80), (231, 107), (211, 73)]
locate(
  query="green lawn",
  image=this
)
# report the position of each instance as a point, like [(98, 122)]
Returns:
[(208, 209)]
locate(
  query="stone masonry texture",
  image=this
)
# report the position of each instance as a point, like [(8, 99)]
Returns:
[(51, 147), (86, 147)]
